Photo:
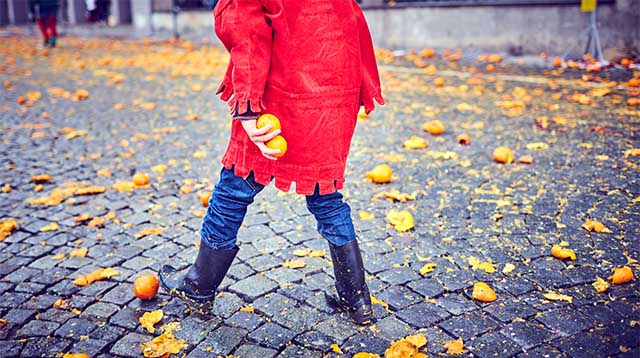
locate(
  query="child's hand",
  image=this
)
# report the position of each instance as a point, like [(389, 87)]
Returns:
[(260, 137)]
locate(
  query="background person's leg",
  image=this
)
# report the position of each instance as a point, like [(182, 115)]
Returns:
[(51, 29), (43, 29)]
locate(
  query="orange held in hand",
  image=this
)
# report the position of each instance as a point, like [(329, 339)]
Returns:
[(145, 287), (277, 142), (266, 119)]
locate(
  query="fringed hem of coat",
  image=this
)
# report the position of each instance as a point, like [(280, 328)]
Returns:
[(333, 177)]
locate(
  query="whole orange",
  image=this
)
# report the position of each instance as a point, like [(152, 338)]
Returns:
[(503, 155), (266, 119), (278, 142), (145, 287), (434, 127), (140, 179)]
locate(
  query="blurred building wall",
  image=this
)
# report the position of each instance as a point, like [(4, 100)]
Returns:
[(528, 29), (519, 29)]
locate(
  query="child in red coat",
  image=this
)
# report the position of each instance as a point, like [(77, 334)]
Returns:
[(311, 64)]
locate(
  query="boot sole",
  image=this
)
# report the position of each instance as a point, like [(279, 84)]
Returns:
[(203, 305), (335, 303)]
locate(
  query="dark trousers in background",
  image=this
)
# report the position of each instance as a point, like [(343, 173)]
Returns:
[(47, 25)]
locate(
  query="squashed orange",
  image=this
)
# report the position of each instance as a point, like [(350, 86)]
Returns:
[(621, 275), (380, 174), (503, 155), (483, 292)]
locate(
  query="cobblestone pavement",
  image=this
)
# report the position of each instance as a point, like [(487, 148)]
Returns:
[(149, 107)]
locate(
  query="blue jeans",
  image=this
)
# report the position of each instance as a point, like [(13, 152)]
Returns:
[(232, 195)]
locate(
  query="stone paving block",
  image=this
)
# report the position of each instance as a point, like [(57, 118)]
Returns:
[(509, 310), (428, 288), (253, 351), (271, 335), (336, 328), (227, 304), (527, 334), (13, 299), (91, 347), (469, 324), (542, 352), (493, 344), (195, 328), (126, 318), (270, 244), (100, 311), (246, 320), (119, 295), (45, 346), (283, 275), (129, 345), (565, 321), (392, 328), (253, 286), (37, 328), (422, 315), (399, 297), (221, 341), (294, 351), (240, 271), (365, 342), (19, 316), (11, 348), (316, 340), (456, 304), (76, 327)]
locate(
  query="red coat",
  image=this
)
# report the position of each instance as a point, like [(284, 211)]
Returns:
[(310, 63)]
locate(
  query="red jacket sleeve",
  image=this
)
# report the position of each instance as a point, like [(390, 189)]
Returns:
[(370, 88), (242, 27)]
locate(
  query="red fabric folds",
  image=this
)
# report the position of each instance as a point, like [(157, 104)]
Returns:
[(299, 60)]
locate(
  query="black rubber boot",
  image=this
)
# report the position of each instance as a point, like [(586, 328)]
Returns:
[(353, 293), (197, 285)]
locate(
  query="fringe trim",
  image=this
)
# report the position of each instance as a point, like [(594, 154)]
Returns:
[(243, 102), (303, 187)]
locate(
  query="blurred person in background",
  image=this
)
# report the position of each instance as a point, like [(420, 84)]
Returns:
[(45, 13)]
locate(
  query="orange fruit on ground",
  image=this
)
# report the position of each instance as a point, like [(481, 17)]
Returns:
[(494, 58), (140, 179), (75, 355), (278, 142), (483, 293), (621, 275), (503, 155), (490, 68), (204, 198), (634, 82), (266, 119), (380, 174), (439, 82), (557, 61), (427, 52), (625, 62), (633, 101), (21, 100), (464, 139), (434, 127), (145, 287)]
